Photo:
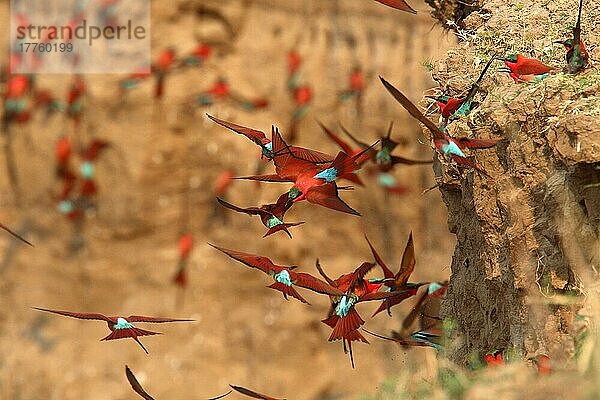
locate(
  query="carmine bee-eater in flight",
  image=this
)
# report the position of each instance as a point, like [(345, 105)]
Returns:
[(271, 215), (197, 57), (443, 143), (422, 338), (285, 278), (120, 327), (312, 182), (137, 387), (435, 290), (577, 56), (398, 282), (186, 244), (252, 393), (523, 69), (398, 5), (383, 157), (160, 68), (87, 168), (343, 318), (453, 107), (260, 139)]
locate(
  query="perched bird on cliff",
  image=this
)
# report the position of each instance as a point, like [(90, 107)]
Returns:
[(444, 144), (285, 278), (399, 281), (523, 69), (577, 56), (120, 327), (453, 107), (398, 5)]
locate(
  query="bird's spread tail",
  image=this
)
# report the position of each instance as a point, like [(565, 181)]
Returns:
[(346, 325), (287, 291)]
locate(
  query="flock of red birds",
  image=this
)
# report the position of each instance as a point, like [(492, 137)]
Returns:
[(315, 176)]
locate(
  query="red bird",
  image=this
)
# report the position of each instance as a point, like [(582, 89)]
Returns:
[(253, 394), (343, 318), (271, 215), (443, 143), (577, 56), (223, 182), (383, 157), (160, 68), (135, 385), (494, 358), (121, 327), (285, 278), (186, 243), (398, 281), (523, 69), (453, 106), (435, 290), (260, 139), (398, 5), (312, 182)]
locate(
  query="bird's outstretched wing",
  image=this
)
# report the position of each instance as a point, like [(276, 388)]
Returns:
[(93, 316), (398, 5), (252, 393), (386, 271), (308, 281), (254, 261), (254, 135), (155, 320), (135, 385), (327, 196), (407, 265)]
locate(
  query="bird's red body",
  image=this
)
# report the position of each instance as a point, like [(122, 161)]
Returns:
[(526, 69)]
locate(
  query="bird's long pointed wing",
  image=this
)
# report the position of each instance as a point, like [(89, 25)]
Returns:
[(250, 210), (259, 262), (362, 145), (155, 320), (135, 385), (308, 281), (256, 136), (379, 295), (92, 316), (323, 274), (266, 178), (398, 5), (21, 238), (403, 342), (407, 266), (251, 393), (413, 110), (341, 143), (327, 196), (386, 271), (363, 270)]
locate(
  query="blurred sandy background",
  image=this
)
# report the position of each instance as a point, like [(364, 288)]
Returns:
[(156, 182)]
